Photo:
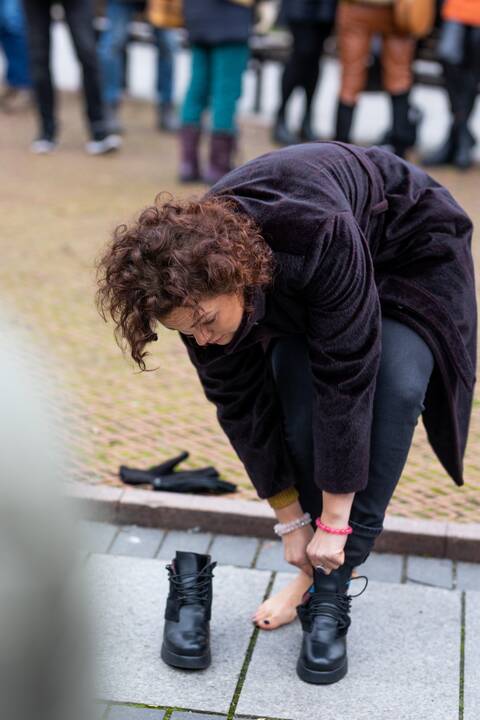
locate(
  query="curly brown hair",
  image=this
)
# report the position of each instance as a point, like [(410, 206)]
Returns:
[(175, 254)]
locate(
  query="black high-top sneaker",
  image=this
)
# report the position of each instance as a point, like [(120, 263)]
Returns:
[(186, 633), (325, 619)]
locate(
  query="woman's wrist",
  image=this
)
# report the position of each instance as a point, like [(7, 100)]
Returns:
[(289, 512), (336, 509)]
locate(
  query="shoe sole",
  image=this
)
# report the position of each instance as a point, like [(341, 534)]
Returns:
[(317, 677), (189, 662)]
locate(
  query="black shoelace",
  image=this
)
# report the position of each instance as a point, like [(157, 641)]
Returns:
[(193, 592), (335, 605)]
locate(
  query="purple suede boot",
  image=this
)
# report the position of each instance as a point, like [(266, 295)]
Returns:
[(189, 166), (222, 146)]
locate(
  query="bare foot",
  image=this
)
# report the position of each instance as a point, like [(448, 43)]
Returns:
[(280, 609)]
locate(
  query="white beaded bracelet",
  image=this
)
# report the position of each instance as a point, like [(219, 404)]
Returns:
[(284, 528)]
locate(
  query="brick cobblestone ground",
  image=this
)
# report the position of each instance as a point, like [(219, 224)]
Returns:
[(57, 212)]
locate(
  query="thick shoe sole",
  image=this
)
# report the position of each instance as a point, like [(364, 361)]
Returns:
[(189, 662), (321, 678)]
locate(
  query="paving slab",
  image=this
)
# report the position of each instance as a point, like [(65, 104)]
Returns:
[(471, 688), (124, 712), (434, 571), (382, 567), (233, 550), (403, 662), (129, 596), (137, 541), (96, 537), (195, 716), (183, 540), (468, 576), (271, 557)]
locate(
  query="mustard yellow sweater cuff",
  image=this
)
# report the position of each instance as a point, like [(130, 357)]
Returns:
[(283, 498)]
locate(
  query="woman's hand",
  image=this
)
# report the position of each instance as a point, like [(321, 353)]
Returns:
[(326, 549), (295, 548)]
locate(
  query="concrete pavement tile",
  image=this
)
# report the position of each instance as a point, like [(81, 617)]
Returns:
[(404, 649), (96, 537), (271, 557), (233, 550), (471, 688), (129, 596), (183, 540), (126, 712), (99, 711), (195, 716), (468, 576), (434, 571), (137, 541), (382, 567)]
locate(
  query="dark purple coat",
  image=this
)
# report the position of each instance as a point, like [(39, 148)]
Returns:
[(355, 233)]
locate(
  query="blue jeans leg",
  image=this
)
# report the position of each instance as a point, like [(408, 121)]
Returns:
[(405, 368), (110, 48), (167, 44), (14, 43), (228, 65)]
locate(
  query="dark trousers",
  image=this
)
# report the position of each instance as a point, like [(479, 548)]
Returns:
[(405, 368), (79, 17), (302, 68), (459, 50)]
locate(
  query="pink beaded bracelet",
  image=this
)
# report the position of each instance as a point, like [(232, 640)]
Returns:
[(335, 531)]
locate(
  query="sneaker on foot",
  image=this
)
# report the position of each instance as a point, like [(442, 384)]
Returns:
[(108, 144), (43, 146)]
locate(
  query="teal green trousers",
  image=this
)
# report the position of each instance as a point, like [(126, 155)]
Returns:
[(216, 84)]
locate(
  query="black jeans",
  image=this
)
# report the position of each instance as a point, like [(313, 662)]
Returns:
[(79, 17), (302, 68), (405, 368)]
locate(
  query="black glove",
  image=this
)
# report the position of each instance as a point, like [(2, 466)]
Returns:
[(163, 477)]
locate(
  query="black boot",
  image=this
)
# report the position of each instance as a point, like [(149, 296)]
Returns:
[(186, 634), (306, 132), (405, 120), (280, 132), (462, 156), (324, 615), (344, 122)]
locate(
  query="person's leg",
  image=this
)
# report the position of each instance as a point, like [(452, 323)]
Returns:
[(194, 104), (397, 58), (37, 14), (167, 45), (79, 17), (110, 48), (228, 64), (14, 44), (405, 368), (354, 37)]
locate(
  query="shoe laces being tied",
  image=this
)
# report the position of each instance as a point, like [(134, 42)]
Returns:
[(335, 605), (192, 587)]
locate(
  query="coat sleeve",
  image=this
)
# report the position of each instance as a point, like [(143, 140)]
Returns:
[(241, 386), (343, 335)]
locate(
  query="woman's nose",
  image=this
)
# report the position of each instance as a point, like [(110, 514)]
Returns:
[(202, 336)]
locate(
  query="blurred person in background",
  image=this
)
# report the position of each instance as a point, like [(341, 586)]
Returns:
[(119, 15), (46, 647), (459, 52), (79, 18), (357, 24), (218, 31), (310, 23), (16, 93)]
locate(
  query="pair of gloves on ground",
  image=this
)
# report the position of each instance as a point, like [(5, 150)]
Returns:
[(163, 477)]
